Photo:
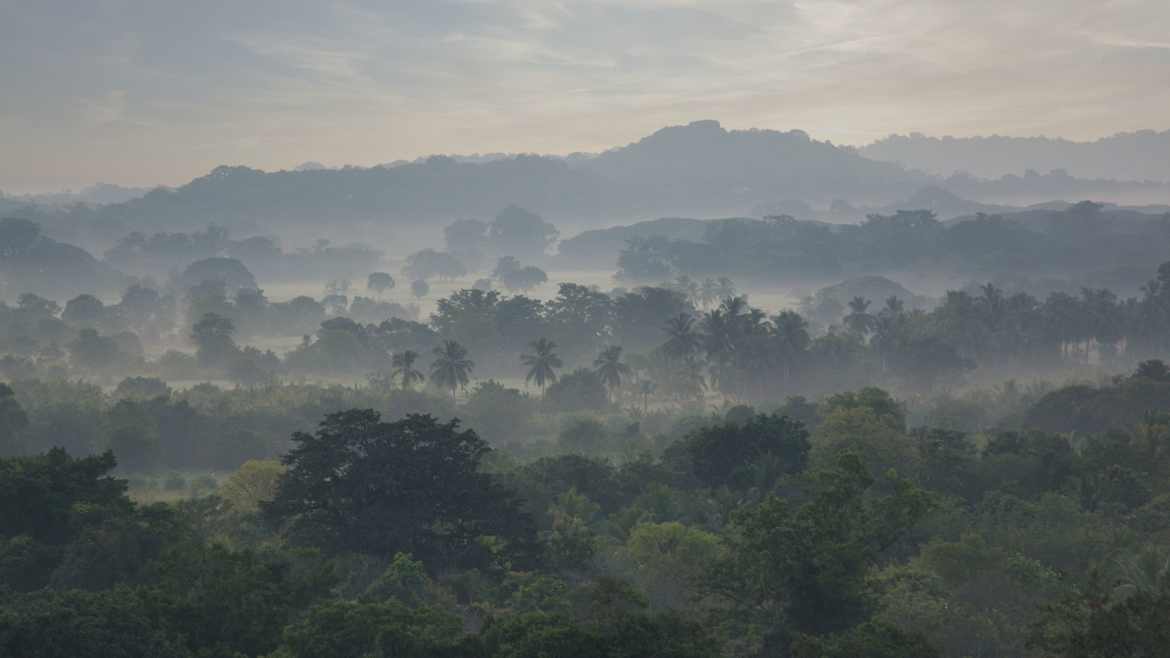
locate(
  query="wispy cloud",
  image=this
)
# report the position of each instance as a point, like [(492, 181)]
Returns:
[(271, 83)]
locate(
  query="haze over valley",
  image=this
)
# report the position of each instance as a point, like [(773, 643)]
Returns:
[(643, 329)]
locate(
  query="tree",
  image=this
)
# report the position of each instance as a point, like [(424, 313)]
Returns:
[(59, 495), (542, 363), (403, 364), (610, 368), (12, 420), (451, 368), (500, 415), (465, 237), (351, 629), (412, 486), (868, 640), (1154, 369), (83, 310), (726, 288), (420, 288), (518, 232), (232, 603), (708, 292), (212, 335), (37, 306), (136, 447), (92, 351), (428, 263), (646, 388), (228, 271), (516, 277), (79, 624), (741, 455), (859, 321), (683, 340), (380, 282), (255, 482), (142, 388), (791, 333), (670, 559), (580, 390), (800, 569)]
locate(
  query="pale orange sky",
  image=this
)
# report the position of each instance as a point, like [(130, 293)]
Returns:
[(146, 92)]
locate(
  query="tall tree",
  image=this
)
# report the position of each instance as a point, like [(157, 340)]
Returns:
[(542, 363), (682, 339), (610, 367), (451, 367), (212, 334), (859, 321), (403, 364)]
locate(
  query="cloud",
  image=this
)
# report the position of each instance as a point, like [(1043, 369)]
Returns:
[(271, 83)]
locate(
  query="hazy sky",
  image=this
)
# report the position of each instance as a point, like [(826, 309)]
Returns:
[(160, 91)]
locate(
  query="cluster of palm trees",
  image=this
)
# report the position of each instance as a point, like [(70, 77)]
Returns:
[(705, 294), (729, 347), (744, 353), (451, 368)]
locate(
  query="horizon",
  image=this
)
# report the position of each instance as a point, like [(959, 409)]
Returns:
[(83, 186)]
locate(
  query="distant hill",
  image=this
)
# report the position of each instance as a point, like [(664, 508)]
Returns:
[(1136, 156), (32, 262), (1033, 187), (96, 194), (698, 170), (598, 249), (702, 167)]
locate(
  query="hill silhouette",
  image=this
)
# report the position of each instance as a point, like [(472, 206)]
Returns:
[(1141, 155), (699, 169)]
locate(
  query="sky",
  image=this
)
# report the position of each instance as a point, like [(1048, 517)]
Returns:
[(160, 91)]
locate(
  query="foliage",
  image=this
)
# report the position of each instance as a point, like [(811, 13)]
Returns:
[(414, 485)]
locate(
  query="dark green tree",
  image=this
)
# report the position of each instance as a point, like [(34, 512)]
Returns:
[(413, 486), (799, 568), (754, 453)]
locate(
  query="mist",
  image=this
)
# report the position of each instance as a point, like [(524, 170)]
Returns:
[(644, 329)]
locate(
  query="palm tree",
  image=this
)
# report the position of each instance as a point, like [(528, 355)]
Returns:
[(687, 286), (894, 306), (725, 288), (709, 292), (646, 388), (610, 367), (859, 321), (733, 306), (542, 364), (683, 340), (791, 332), (403, 363), (451, 367)]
